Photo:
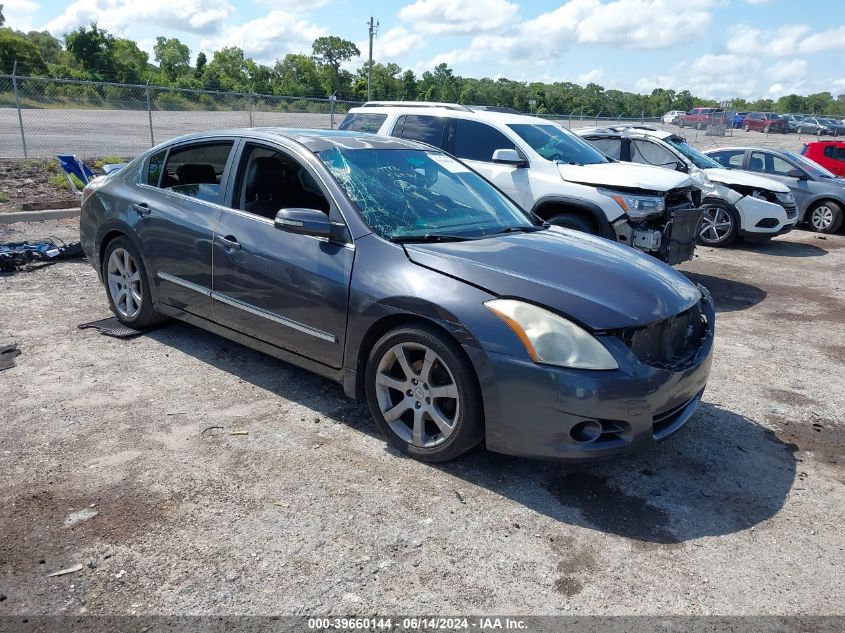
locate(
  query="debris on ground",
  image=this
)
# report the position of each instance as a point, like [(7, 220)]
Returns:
[(8, 354), (17, 256), (65, 572)]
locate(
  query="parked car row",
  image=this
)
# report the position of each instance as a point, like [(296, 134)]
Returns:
[(766, 122)]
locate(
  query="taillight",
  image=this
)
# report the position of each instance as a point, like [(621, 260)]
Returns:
[(91, 187)]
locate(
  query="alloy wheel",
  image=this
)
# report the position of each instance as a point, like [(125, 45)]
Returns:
[(124, 282), (716, 225), (821, 218), (417, 394)]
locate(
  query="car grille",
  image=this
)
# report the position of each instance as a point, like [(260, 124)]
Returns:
[(791, 211), (681, 198), (671, 343)]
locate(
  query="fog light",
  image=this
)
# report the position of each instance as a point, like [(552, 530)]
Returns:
[(767, 223), (585, 432)]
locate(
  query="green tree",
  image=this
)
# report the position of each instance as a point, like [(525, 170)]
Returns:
[(331, 51), (297, 75), (14, 47), (92, 50), (49, 47), (227, 70), (173, 57), (202, 60), (130, 62)]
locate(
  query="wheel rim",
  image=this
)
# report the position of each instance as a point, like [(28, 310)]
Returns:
[(417, 395), (822, 218), (716, 224), (124, 280)]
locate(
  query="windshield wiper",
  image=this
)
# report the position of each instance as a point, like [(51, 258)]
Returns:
[(431, 237), (520, 229)]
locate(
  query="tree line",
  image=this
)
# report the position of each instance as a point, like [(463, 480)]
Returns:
[(92, 53)]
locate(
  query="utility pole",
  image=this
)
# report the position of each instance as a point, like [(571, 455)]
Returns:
[(373, 32)]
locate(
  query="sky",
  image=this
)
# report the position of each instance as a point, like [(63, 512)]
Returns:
[(717, 49)]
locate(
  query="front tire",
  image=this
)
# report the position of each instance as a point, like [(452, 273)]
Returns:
[(423, 394), (746, 128), (127, 285), (719, 226), (825, 217), (574, 222)]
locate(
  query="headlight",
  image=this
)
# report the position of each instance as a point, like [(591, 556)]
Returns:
[(551, 339), (785, 198), (636, 206)]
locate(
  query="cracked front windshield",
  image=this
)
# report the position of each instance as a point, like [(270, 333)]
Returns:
[(414, 193), (697, 158)]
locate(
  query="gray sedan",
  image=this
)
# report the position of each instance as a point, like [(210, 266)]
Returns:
[(819, 193), (400, 273)]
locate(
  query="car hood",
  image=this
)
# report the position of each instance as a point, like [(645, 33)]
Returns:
[(625, 175), (597, 283), (744, 178)]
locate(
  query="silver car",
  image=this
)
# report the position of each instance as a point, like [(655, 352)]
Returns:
[(819, 193)]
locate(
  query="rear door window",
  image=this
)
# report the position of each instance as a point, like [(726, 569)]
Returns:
[(611, 147), (840, 153), (830, 151), (648, 153), (731, 158), (196, 170), (152, 174), (478, 141), (359, 122), (418, 127)]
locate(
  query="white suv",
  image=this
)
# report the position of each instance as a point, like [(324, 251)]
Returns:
[(736, 203), (552, 173)]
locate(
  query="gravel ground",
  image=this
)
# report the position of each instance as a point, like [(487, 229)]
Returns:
[(124, 457)]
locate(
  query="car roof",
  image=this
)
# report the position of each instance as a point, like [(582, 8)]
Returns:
[(738, 148), (450, 110), (315, 140), (624, 130)]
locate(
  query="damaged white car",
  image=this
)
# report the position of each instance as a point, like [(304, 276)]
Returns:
[(552, 173), (736, 204)]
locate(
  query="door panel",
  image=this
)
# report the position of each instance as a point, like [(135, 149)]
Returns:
[(176, 229), (287, 290)]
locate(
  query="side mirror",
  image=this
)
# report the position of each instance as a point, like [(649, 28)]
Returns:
[(797, 173), (679, 166), (304, 222), (508, 157)]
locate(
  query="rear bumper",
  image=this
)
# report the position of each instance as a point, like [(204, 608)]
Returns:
[(534, 411)]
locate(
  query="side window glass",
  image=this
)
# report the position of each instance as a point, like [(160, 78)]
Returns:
[(647, 153), (611, 147), (269, 180), (780, 166), (196, 170), (427, 129), (840, 153), (758, 162), (362, 122), (154, 168), (829, 151), (478, 141)]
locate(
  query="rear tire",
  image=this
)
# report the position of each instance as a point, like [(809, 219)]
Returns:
[(719, 226), (825, 217), (574, 222), (423, 394), (127, 285)]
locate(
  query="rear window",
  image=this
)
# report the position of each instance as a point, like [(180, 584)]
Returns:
[(357, 122), (418, 127)]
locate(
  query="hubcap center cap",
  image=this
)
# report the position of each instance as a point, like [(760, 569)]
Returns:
[(419, 393)]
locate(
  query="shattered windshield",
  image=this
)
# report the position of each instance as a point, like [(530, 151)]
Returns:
[(405, 193), (697, 158), (553, 143)]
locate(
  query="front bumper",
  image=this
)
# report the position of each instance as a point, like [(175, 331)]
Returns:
[(534, 410), (759, 217)]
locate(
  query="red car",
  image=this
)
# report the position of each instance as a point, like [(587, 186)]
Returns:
[(764, 122), (698, 117), (828, 154)]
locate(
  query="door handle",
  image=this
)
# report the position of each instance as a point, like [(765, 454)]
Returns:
[(141, 208), (230, 242)]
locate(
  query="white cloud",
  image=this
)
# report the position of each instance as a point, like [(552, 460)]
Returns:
[(790, 71), (267, 38), (758, 2), (117, 16), (784, 41), (710, 76), (391, 46), (591, 76), (451, 16), (19, 14), (630, 24)]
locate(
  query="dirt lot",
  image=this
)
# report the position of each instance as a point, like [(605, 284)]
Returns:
[(114, 458)]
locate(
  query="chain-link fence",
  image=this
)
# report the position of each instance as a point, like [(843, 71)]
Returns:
[(41, 117)]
